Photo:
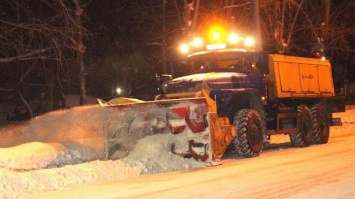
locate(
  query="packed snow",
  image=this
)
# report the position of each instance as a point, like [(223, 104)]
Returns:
[(64, 149), (46, 154)]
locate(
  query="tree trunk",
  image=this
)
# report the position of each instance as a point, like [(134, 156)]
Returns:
[(163, 47), (82, 80), (197, 8), (256, 24), (281, 38), (327, 16), (80, 53)]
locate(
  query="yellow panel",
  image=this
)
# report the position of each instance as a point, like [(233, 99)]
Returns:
[(289, 77), (326, 79), (309, 78), (292, 76)]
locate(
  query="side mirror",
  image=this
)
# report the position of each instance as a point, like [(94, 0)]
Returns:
[(163, 79)]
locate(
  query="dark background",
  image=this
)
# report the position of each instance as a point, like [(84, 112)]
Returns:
[(123, 42)]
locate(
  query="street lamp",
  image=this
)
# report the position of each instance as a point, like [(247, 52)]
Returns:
[(118, 90)]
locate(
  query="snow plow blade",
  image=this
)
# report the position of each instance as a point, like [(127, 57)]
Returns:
[(129, 120)]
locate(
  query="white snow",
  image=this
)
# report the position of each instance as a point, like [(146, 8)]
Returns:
[(153, 154), (22, 161), (23, 184), (51, 153)]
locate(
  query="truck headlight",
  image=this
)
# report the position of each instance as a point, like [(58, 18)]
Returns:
[(249, 42), (184, 48)]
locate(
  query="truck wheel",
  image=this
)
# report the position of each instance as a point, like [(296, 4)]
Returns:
[(249, 139), (321, 124), (305, 135)]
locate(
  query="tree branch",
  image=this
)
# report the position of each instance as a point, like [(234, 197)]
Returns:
[(25, 56)]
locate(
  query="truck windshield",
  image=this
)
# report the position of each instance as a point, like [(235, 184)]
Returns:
[(241, 62)]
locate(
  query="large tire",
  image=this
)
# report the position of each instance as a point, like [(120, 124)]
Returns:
[(304, 137), (321, 124), (250, 130)]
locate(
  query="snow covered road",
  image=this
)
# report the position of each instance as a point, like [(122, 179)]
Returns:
[(319, 171), (281, 171)]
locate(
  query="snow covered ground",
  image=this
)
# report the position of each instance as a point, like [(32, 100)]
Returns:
[(151, 155), (51, 153)]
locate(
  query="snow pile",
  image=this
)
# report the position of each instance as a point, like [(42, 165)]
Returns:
[(39, 155), (62, 141), (23, 184), (55, 139), (151, 155)]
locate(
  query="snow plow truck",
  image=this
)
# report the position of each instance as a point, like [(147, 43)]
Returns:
[(227, 97)]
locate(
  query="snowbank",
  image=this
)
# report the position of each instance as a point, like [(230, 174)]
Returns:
[(151, 154), (23, 184), (69, 144), (55, 139)]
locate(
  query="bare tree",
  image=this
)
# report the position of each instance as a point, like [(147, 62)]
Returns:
[(297, 26), (39, 35), (80, 48)]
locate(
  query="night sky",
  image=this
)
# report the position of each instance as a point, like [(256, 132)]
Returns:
[(125, 40)]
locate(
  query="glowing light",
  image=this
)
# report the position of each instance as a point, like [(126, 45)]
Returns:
[(184, 48), (323, 58), (249, 42), (118, 90), (197, 42), (216, 46), (216, 35), (217, 39), (233, 38)]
